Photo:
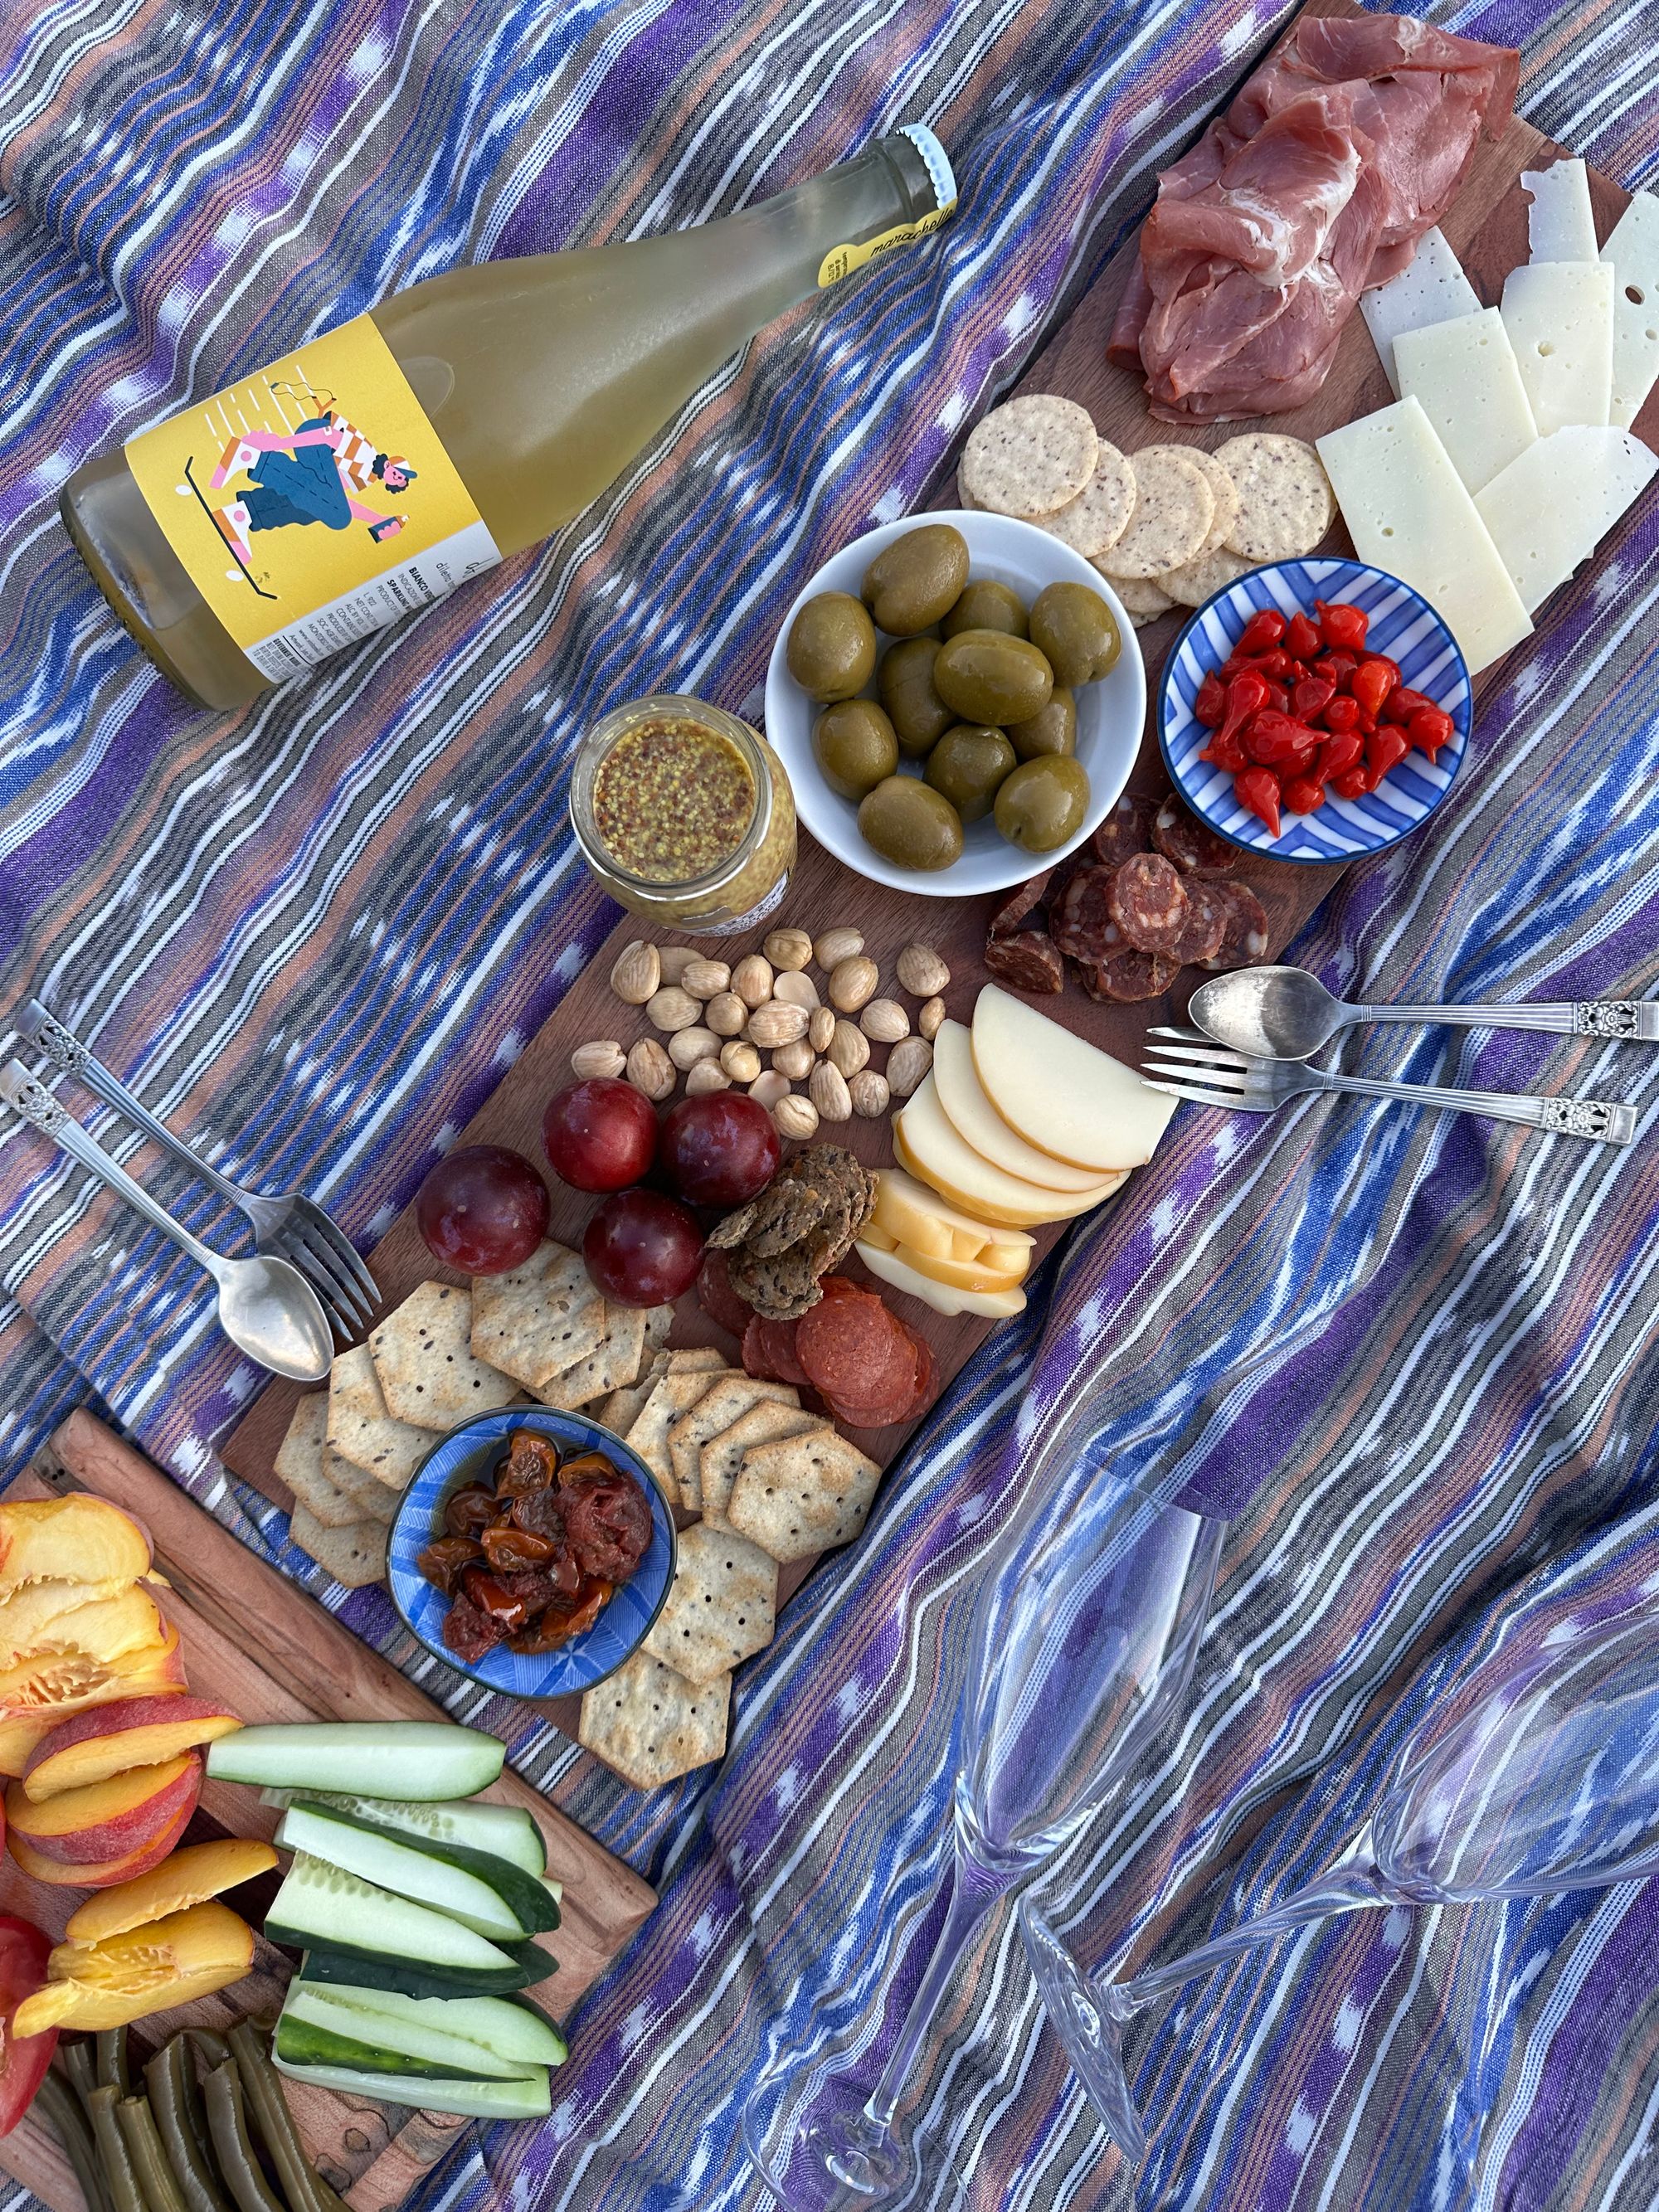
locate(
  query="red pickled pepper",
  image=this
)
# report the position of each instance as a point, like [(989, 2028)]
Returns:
[(1341, 625), (1274, 739), (1266, 628), (1258, 790), (1429, 729)]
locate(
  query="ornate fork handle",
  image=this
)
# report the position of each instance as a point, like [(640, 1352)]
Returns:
[(1569, 1117), (27, 1096), (1637, 1018)]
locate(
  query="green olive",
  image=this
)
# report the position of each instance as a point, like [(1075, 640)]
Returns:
[(855, 747), (911, 824), (832, 647), (986, 604), (968, 764), (916, 580), (1043, 803), (989, 678), (1052, 729), (905, 680), (1076, 631)]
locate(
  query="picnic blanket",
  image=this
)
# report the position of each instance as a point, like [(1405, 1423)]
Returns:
[(1412, 1355)]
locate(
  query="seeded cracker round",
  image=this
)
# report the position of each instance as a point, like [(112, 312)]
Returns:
[(1143, 598), (1030, 457), (1223, 491), (1284, 501), (1195, 580), (1100, 514), (1173, 511)]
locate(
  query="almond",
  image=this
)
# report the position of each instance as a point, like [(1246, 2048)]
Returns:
[(706, 1075), (921, 971), (884, 1020), (687, 1047), (796, 990), (836, 945), (604, 1056), (788, 949), (869, 1094), (751, 979), (637, 972), (675, 959), (770, 1088), (775, 1024), (820, 1028), (650, 1069), (725, 1014), (829, 1092), (908, 1064), (705, 979), (794, 1060), (671, 1008), (930, 1019), (852, 982), (795, 1117), (740, 1060), (849, 1048)]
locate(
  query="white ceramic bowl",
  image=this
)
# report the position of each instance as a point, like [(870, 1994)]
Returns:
[(1111, 715)]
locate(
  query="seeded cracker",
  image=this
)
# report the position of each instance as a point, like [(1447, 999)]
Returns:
[(1030, 457), (361, 1430), (1172, 515), (369, 1500), (721, 1607), (726, 1397), (355, 1556), (722, 1456), (614, 1362), (1100, 514), (803, 1495), (673, 1395), (1144, 600), (699, 1360), (1212, 572), (652, 1725), (299, 1464), (1223, 491), (1286, 504), (425, 1363), (536, 1320)]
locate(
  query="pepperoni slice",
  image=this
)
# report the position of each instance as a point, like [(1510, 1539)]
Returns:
[(1024, 899), (1029, 961), (845, 1343), (1205, 927), (1081, 921), (1148, 901), (1127, 978), (1195, 848), (717, 1297), (1244, 942), (1127, 830), (778, 1339), (757, 1360)]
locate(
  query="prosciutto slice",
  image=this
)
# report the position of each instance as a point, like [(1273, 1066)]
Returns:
[(1336, 155)]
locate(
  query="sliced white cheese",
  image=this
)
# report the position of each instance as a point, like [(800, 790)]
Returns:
[(1633, 254), (1061, 1093), (1465, 373), (1560, 226), (1433, 289), (1559, 318), (1409, 513), (1553, 505), (943, 1298)]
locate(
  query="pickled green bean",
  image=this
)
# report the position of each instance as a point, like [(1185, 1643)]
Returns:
[(126, 2195), (149, 2158), (222, 2093), (63, 2114), (112, 2061), (166, 2077), (82, 2073), (301, 2183)]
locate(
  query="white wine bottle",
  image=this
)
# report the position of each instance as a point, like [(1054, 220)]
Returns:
[(377, 467)]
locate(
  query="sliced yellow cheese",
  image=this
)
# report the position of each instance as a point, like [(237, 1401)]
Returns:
[(943, 1298), (912, 1214), (960, 1274), (927, 1145), (978, 1123), (1061, 1094)]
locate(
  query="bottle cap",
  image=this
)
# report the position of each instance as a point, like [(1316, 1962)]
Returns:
[(938, 163)]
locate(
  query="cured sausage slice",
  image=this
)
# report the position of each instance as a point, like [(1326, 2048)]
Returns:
[(1149, 904), (1127, 830), (1244, 943), (1029, 962), (716, 1295), (1024, 899), (851, 1347), (1127, 978), (1080, 919), (1195, 848), (1206, 924)]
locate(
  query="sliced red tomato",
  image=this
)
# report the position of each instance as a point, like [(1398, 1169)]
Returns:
[(23, 2060)]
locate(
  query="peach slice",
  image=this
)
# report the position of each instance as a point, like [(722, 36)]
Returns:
[(29, 1616), (166, 1962), (129, 1732), (19, 1739), (75, 1539), (21, 1735), (101, 1874), (54, 1685), (185, 1877), (106, 1626), (110, 1818)]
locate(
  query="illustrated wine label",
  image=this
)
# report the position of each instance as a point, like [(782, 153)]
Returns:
[(313, 503)]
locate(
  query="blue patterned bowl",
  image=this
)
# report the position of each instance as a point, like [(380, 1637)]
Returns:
[(1403, 625), (466, 1455)]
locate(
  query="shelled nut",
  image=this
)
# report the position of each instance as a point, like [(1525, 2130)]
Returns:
[(849, 1048), (788, 949), (675, 959), (835, 945), (930, 1020), (869, 1094), (852, 982), (921, 971), (687, 1047), (829, 1092), (706, 1075), (637, 972), (820, 1028), (740, 1060), (725, 1014), (908, 1064), (795, 1061), (884, 1020), (751, 979), (770, 1088), (604, 1056), (671, 1008), (796, 989), (650, 1069), (776, 1023), (795, 1117), (705, 979)]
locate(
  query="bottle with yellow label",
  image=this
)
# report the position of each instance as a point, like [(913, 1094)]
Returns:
[(377, 467)]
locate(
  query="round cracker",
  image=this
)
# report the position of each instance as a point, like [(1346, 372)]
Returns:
[(1142, 599), (1173, 513), (1099, 515), (1030, 457), (1196, 580), (1224, 491), (1286, 504)]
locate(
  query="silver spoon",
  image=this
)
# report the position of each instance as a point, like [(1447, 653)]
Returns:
[(266, 1307), (1284, 1013)]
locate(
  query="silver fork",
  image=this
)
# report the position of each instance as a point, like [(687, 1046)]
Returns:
[(1193, 1067), (289, 1228)]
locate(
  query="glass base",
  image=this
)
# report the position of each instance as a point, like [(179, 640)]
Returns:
[(1083, 2023), (812, 2142)]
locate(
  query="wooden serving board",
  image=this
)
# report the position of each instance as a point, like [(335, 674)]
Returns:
[(254, 1639), (1488, 225)]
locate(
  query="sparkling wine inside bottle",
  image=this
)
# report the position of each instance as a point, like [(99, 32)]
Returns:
[(374, 468)]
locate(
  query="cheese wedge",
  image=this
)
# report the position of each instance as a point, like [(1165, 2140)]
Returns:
[(1062, 1095), (943, 1298), (959, 1274), (978, 1123), (931, 1148)]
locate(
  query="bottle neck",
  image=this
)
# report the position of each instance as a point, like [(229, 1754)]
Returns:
[(822, 230)]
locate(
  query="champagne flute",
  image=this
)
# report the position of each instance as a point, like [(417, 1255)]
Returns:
[(1083, 1641), (1549, 1782)]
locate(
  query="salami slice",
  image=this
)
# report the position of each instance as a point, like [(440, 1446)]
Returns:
[(847, 1346), (1028, 962), (1024, 899), (1244, 943), (778, 1340), (1206, 924), (1080, 919), (1127, 830), (716, 1295), (1127, 978), (755, 1360), (1149, 904), (1195, 848)]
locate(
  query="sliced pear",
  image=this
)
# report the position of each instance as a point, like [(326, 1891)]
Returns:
[(978, 1123), (1060, 1093), (927, 1145), (915, 1215), (943, 1298)]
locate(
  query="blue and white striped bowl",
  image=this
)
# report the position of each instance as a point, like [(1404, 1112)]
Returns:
[(466, 1455), (1403, 625)]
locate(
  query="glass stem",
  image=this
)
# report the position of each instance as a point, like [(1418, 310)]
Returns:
[(974, 1891)]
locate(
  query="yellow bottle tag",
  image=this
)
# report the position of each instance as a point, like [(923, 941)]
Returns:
[(842, 260), (313, 503)]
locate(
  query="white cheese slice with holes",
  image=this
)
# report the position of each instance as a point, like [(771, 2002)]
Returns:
[(1559, 318), (1633, 253), (1433, 289), (1409, 511), (1465, 375), (1553, 506), (1560, 226)]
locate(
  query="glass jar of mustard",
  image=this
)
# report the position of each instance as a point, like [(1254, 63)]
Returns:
[(685, 815)]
